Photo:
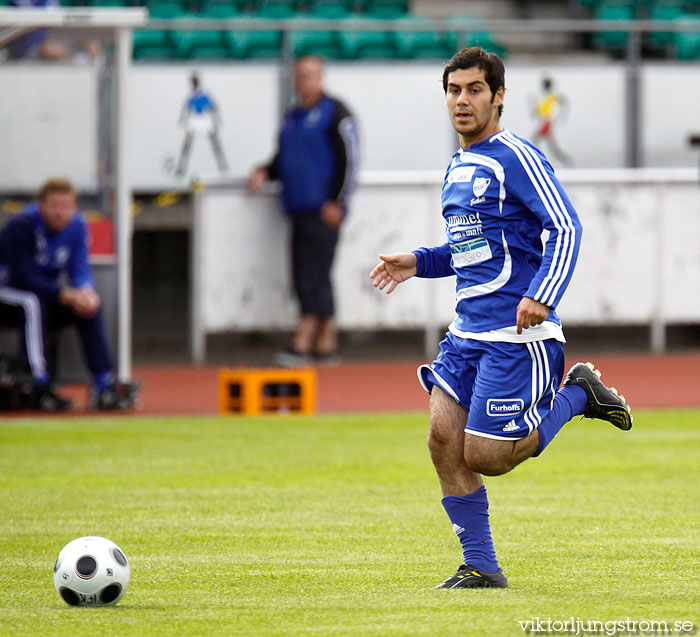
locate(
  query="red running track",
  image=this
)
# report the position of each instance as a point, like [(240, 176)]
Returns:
[(646, 381)]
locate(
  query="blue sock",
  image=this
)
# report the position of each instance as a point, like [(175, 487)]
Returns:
[(42, 381), (470, 520), (569, 402), (102, 380)]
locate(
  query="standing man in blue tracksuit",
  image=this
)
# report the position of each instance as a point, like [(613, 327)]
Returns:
[(495, 395), (316, 162), (44, 250)]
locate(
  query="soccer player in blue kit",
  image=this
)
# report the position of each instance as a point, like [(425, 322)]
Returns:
[(495, 396)]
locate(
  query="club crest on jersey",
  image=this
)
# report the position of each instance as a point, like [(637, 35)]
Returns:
[(480, 186), (504, 406)]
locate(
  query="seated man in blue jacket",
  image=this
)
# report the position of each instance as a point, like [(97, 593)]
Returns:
[(44, 250)]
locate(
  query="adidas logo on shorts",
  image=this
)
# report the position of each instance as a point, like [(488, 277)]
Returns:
[(511, 426)]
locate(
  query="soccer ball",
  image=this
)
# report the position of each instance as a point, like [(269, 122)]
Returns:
[(91, 571)]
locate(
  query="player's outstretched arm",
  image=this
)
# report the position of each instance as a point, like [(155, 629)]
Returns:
[(392, 270)]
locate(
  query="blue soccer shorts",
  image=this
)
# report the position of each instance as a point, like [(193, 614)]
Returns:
[(507, 388)]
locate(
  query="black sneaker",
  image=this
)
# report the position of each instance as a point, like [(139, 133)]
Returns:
[(329, 359), (603, 403), (471, 577), (119, 397), (46, 399), (291, 359)]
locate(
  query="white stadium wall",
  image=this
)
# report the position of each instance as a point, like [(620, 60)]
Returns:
[(639, 256), (48, 125), (49, 115)]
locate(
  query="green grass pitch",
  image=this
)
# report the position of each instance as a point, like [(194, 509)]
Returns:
[(332, 525)]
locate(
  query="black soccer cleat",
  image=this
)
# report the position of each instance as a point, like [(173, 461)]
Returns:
[(45, 398), (603, 403), (117, 397), (471, 577)]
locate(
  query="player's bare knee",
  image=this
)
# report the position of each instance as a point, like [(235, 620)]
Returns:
[(438, 442)]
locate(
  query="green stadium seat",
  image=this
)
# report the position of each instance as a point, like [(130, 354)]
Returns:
[(358, 45), (664, 11), (421, 44), (219, 9), (151, 40), (330, 11), (276, 9), (155, 54), (469, 31), (153, 45), (200, 45), (254, 44), (687, 43), (318, 7), (614, 11), (325, 44), (166, 9), (384, 9)]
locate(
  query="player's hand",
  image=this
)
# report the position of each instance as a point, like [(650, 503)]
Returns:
[(86, 302), (257, 180), (67, 296), (332, 214), (530, 313), (392, 270)]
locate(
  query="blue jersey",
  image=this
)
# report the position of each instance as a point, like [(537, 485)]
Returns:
[(199, 102), (34, 258), (497, 198), (317, 156)]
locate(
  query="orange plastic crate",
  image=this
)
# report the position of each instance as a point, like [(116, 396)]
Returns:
[(267, 391)]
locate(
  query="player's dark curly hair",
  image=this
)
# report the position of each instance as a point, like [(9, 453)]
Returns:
[(475, 56)]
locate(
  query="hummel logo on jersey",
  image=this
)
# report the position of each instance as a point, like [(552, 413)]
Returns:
[(457, 529), (511, 426), (480, 186)]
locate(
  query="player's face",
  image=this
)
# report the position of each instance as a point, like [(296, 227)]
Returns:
[(472, 107), (57, 209), (308, 80)]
